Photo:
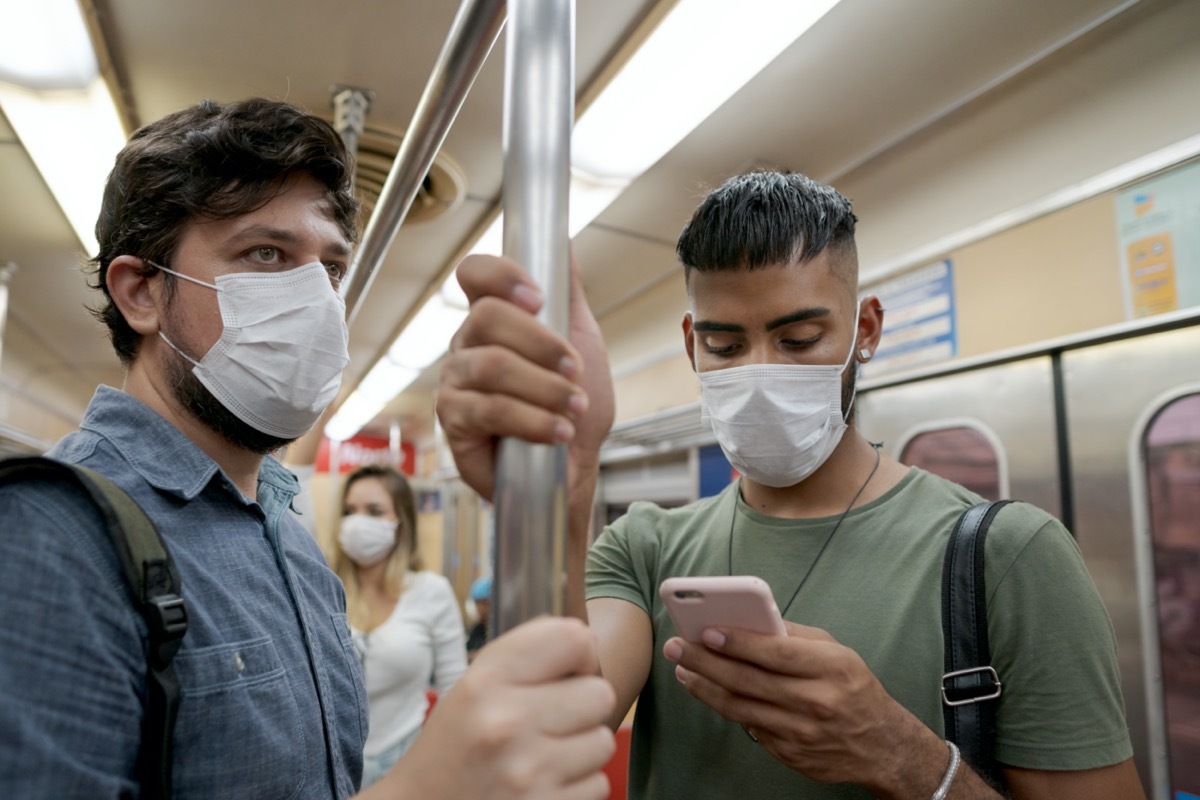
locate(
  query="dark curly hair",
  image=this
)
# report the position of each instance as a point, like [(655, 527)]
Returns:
[(210, 161)]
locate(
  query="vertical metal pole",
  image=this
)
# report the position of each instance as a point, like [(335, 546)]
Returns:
[(539, 104)]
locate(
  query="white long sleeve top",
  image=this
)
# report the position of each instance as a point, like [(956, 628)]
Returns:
[(420, 644)]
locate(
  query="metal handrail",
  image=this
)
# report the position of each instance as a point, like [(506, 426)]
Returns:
[(539, 111), (472, 35)]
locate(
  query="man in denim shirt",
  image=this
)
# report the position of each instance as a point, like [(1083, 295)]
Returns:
[(223, 235)]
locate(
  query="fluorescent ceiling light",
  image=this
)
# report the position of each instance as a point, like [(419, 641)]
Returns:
[(73, 138), (44, 45), (698, 57), (54, 98), (422, 342), (385, 380), (425, 338)]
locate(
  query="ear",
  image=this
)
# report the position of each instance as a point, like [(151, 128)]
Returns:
[(870, 327), (133, 294), (689, 342)]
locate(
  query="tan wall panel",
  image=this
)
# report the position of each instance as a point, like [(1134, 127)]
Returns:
[(1092, 107), (646, 327), (667, 384), (1051, 277)]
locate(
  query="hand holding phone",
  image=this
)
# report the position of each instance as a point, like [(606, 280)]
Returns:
[(721, 601)]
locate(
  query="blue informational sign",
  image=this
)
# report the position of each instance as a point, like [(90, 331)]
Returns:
[(919, 325), (715, 471)]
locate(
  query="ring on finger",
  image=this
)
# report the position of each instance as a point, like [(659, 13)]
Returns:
[(750, 733)]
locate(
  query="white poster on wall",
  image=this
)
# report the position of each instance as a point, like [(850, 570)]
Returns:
[(1158, 233)]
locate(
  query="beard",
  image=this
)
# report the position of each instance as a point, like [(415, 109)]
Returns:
[(849, 381), (194, 396)]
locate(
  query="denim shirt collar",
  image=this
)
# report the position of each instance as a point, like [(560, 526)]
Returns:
[(160, 452)]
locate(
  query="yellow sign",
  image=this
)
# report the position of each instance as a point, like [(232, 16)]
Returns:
[(1152, 275)]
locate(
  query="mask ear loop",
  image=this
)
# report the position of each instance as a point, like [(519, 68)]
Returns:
[(182, 354), (846, 363), (212, 286), (162, 335)]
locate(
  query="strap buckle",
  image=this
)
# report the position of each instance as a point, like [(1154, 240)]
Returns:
[(171, 620), (963, 692)]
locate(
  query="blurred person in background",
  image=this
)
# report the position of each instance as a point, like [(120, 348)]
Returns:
[(405, 621), (481, 597)]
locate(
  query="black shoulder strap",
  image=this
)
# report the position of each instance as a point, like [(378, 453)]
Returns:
[(970, 685), (154, 586)]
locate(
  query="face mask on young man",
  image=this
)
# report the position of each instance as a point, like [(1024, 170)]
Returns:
[(366, 539), (776, 423), (279, 361)]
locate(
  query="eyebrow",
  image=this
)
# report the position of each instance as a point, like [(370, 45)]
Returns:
[(802, 315), (338, 247), (710, 326)]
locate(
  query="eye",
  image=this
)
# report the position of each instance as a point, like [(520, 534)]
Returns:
[(336, 271), (720, 345), (266, 254), (800, 344)]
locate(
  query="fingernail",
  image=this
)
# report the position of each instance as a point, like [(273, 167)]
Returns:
[(563, 431), (578, 403), (672, 649), (527, 296), (682, 675), (568, 367), (713, 638)]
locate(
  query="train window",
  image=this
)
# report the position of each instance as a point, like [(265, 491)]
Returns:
[(962, 453), (1172, 458)]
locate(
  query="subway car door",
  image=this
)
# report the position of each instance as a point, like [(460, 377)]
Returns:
[(1133, 411), (991, 429), (1117, 457)]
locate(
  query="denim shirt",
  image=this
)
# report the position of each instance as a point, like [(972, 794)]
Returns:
[(272, 702)]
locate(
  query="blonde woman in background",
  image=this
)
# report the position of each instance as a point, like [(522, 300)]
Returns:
[(406, 621)]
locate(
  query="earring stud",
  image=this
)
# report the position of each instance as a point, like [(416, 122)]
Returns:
[(864, 354)]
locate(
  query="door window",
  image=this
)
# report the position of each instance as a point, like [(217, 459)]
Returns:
[(1172, 458), (960, 453)]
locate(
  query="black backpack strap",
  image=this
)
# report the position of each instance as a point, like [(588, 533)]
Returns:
[(970, 685), (154, 585)]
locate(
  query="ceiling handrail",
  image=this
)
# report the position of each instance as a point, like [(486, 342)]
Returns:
[(474, 31)]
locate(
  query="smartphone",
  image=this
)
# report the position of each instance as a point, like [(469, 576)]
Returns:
[(721, 601)]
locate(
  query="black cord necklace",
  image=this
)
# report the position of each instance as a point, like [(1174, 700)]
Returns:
[(828, 538)]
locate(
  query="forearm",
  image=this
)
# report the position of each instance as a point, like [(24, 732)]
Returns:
[(917, 769), (580, 499)]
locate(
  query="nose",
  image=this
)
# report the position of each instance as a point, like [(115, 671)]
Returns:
[(763, 351)]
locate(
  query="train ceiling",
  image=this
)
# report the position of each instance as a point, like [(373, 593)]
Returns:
[(871, 78)]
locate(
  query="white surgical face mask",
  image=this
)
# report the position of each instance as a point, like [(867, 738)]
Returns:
[(366, 540), (279, 361), (776, 423)]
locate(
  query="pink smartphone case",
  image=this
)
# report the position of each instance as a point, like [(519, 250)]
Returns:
[(738, 601)]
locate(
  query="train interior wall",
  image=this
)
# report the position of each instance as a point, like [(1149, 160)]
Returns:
[(999, 186)]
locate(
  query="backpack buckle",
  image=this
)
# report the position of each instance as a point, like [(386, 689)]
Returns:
[(985, 685)]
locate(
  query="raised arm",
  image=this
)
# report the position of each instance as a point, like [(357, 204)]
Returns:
[(508, 375)]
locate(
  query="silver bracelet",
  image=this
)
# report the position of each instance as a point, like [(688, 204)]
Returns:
[(948, 778)]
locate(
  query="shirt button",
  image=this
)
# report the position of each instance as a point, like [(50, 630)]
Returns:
[(238, 662)]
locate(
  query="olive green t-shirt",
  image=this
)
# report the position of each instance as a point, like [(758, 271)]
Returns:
[(877, 590)]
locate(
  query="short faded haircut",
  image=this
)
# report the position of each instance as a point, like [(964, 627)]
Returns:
[(767, 218)]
